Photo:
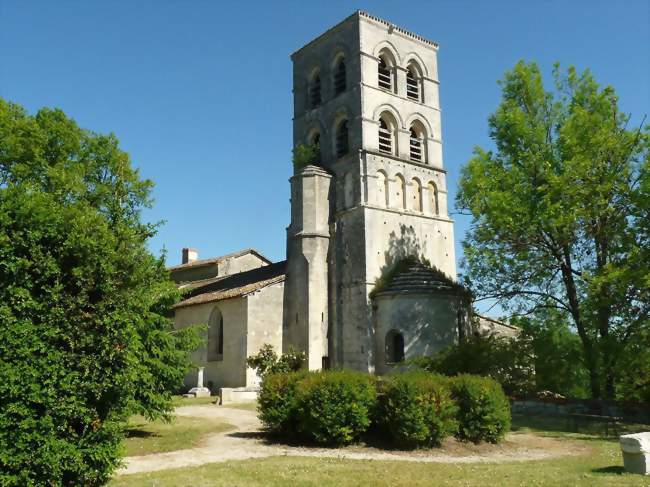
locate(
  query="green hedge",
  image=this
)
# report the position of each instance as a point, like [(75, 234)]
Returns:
[(413, 409), (335, 407), (483, 408), (416, 409), (277, 403)]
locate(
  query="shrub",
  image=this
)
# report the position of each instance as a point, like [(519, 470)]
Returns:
[(304, 155), (416, 409), (483, 408), (266, 361), (335, 407), (277, 402)]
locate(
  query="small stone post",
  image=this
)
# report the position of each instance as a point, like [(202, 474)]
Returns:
[(199, 390)]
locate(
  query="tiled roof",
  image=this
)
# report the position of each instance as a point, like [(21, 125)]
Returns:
[(215, 260), (234, 285), (415, 277)]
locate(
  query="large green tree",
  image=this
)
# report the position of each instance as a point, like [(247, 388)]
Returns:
[(561, 211), (84, 335)]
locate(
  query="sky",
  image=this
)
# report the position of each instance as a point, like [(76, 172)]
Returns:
[(199, 92)]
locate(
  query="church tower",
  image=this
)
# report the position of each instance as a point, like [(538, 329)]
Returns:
[(366, 92)]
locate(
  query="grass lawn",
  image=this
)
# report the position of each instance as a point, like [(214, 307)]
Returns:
[(145, 437), (600, 465), (194, 401)]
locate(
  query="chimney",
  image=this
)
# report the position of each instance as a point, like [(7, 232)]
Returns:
[(190, 255)]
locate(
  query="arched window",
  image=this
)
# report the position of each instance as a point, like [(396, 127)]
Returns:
[(417, 142), (385, 137), (314, 91), (215, 336), (387, 133), (416, 199), (385, 72), (340, 77), (394, 347), (400, 193), (342, 139), (433, 199), (413, 82), (382, 189)]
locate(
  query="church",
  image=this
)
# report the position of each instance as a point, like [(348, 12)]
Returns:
[(369, 279)]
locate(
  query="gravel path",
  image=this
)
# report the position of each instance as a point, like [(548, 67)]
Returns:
[(246, 442)]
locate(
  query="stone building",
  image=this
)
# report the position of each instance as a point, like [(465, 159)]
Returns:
[(370, 269)]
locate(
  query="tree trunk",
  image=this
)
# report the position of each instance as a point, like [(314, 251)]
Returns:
[(574, 308)]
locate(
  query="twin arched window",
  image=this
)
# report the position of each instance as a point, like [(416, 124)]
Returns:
[(339, 82), (215, 336), (386, 76)]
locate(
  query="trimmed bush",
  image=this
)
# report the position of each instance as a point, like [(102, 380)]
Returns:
[(416, 409), (277, 402), (483, 408), (335, 407)]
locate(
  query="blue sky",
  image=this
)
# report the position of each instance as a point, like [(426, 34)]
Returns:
[(199, 92)]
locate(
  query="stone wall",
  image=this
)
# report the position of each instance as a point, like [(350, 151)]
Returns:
[(231, 371), (630, 412), (424, 320), (264, 324)]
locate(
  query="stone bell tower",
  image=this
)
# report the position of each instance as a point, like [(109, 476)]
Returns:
[(366, 92)]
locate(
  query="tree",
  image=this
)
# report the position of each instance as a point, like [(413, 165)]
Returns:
[(266, 361), (84, 337), (509, 361), (560, 214), (557, 353)]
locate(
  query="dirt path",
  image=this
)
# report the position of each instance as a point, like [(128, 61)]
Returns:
[(245, 442)]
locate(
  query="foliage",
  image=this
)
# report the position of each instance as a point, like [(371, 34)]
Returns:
[(84, 338), (509, 361), (335, 407), (277, 402), (557, 354), (560, 214), (305, 155), (483, 408), (416, 409), (266, 361)]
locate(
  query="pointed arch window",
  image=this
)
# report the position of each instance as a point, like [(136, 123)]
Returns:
[(315, 91), (215, 336), (394, 347), (340, 81), (342, 139)]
